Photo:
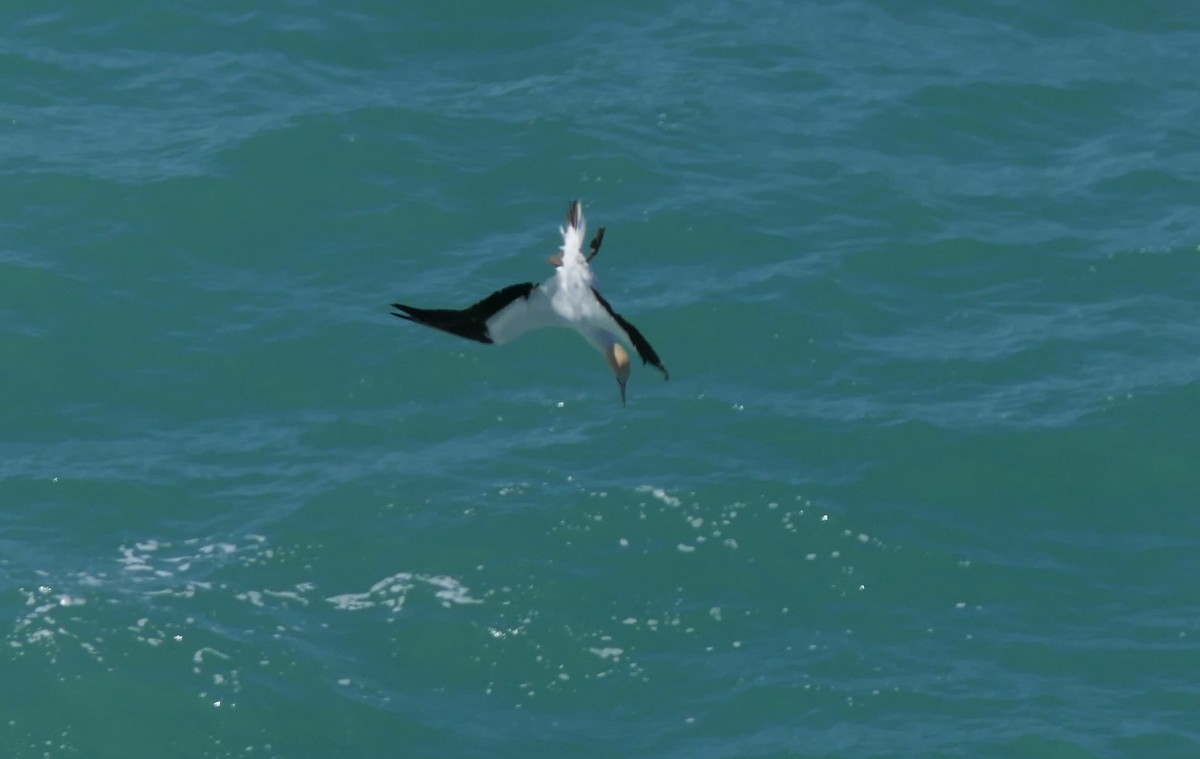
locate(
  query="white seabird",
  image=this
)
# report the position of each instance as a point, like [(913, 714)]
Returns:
[(568, 299)]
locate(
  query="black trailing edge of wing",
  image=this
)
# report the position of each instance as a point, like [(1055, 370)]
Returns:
[(470, 322)]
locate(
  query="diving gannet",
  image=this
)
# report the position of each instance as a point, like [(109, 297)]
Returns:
[(567, 299)]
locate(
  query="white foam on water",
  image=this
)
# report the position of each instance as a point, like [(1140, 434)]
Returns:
[(392, 592), (660, 494)]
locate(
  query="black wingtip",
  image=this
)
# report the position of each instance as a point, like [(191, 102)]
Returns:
[(470, 322), (658, 366)]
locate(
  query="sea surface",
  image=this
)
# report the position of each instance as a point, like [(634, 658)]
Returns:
[(924, 480)]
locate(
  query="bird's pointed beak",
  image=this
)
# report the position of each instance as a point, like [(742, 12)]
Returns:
[(621, 383)]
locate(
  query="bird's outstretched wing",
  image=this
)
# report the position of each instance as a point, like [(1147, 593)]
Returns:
[(641, 344), (477, 322)]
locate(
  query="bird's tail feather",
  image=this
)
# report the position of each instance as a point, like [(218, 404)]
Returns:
[(575, 230)]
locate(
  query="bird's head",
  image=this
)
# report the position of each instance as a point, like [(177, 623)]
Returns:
[(618, 360)]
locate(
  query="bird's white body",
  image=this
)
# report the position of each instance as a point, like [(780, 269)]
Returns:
[(564, 300)]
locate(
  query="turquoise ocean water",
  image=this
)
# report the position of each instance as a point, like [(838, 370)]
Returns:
[(923, 482)]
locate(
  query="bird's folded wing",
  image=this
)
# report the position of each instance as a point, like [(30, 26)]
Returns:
[(641, 344)]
